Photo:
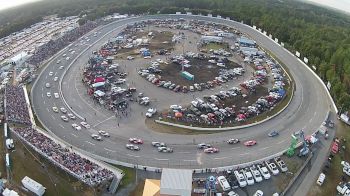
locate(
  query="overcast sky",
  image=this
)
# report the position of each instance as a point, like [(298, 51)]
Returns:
[(4, 4), (338, 4)]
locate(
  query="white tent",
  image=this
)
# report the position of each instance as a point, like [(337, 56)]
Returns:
[(33, 186)]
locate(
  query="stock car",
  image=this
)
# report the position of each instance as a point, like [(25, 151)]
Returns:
[(158, 144), (211, 150), (136, 140), (165, 149), (233, 141), (250, 143), (203, 146), (273, 134), (132, 147), (103, 133)]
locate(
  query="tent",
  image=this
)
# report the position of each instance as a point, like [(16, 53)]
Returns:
[(178, 115)]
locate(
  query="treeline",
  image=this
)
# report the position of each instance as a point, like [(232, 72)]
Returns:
[(321, 35)]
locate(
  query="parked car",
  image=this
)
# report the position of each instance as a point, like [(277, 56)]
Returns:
[(272, 167), (248, 176), (321, 179), (63, 110), (150, 112), (256, 174), (264, 171), (241, 179), (280, 163)]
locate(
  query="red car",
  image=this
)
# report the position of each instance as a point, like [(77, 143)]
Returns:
[(135, 140), (250, 143), (211, 150)]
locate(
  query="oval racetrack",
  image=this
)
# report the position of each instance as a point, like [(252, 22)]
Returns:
[(307, 110)]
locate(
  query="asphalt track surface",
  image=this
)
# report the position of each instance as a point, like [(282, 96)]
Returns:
[(306, 111)]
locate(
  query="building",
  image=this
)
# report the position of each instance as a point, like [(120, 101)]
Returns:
[(176, 182)]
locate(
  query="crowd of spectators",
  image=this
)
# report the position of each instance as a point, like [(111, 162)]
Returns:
[(53, 46), (85, 170), (16, 109)]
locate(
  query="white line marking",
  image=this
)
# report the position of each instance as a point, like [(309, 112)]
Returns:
[(74, 135), (109, 150), (265, 148), (48, 110), (61, 126), (90, 143), (161, 159), (100, 122), (244, 154), (190, 160), (130, 155), (42, 95), (217, 158), (280, 142), (53, 117), (184, 152), (44, 102), (235, 148), (42, 88)]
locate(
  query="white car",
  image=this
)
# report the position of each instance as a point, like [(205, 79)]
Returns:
[(64, 55), (64, 118), (132, 147), (58, 62), (272, 167), (48, 94), (158, 144), (103, 133), (67, 58), (248, 176), (130, 57), (55, 79), (63, 110), (85, 124), (55, 109), (71, 116), (150, 112), (96, 137), (165, 149), (346, 170), (345, 164), (258, 193), (321, 179), (76, 127), (256, 174), (175, 107), (240, 178), (50, 73), (61, 67), (280, 163), (264, 172), (47, 85), (203, 146), (56, 95)]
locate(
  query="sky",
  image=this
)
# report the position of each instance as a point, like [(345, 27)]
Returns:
[(343, 5), (338, 4), (4, 4)]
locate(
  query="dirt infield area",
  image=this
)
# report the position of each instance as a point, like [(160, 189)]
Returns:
[(202, 70)]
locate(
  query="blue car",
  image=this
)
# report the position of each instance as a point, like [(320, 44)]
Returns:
[(273, 134)]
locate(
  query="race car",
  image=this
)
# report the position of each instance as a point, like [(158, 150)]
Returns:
[(103, 133), (132, 147), (203, 146), (250, 143), (233, 141), (158, 144), (136, 140), (211, 150), (273, 134), (165, 149)]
